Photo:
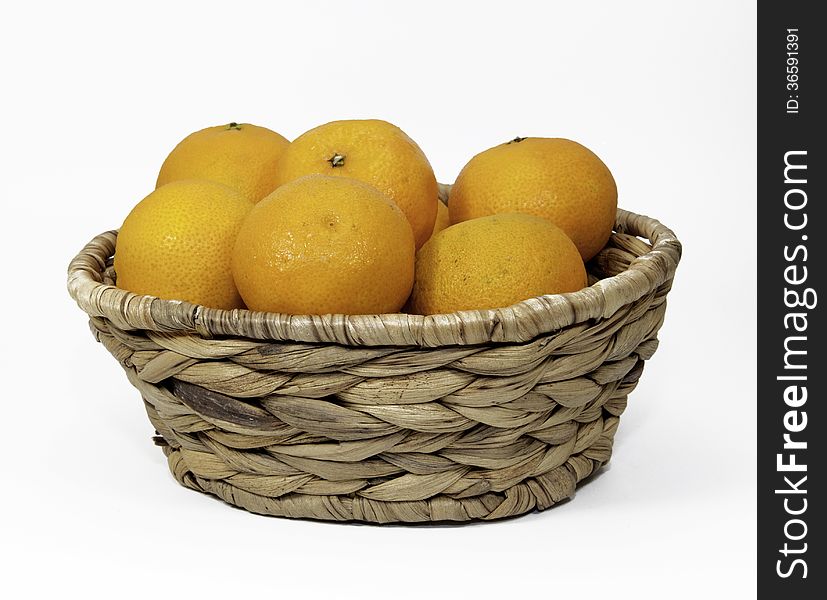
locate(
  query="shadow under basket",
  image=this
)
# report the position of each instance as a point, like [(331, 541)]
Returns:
[(391, 418)]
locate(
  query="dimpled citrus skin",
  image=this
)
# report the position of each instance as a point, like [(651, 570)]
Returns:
[(177, 242), (492, 262), (325, 245), (553, 178), (442, 219), (242, 156), (375, 152)]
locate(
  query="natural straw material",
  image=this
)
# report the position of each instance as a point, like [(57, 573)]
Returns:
[(391, 418)]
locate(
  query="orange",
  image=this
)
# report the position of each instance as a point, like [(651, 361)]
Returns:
[(375, 152), (494, 261), (325, 245), (240, 155), (177, 242), (554, 178), (442, 219)]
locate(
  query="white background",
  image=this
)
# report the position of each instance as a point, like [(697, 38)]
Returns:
[(94, 98)]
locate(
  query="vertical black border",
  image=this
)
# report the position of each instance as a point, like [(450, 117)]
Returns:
[(780, 131)]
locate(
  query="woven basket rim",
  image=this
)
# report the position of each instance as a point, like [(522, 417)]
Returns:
[(515, 324)]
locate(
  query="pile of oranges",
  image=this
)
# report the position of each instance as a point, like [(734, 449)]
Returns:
[(346, 219)]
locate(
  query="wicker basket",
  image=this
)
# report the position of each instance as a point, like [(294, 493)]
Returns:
[(391, 418)]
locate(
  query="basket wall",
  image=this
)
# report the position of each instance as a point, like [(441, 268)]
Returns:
[(402, 432)]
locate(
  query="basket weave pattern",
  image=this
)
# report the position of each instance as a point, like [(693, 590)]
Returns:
[(391, 418)]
